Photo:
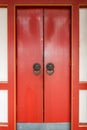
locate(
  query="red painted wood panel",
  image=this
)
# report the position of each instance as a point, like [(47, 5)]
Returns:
[(56, 38), (29, 51), (57, 51)]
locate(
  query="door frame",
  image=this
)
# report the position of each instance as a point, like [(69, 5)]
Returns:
[(71, 50)]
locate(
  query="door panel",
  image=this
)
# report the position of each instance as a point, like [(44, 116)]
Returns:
[(43, 37), (29, 52), (57, 51)]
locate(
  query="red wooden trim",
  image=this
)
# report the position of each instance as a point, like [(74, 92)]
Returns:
[(4, 124), (83, 124)]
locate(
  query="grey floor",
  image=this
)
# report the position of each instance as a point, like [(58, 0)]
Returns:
[(43, 126)]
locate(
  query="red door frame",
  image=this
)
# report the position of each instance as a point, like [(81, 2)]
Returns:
[(11, 85)]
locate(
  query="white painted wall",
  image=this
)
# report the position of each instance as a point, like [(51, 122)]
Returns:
[(3, 106), (83, 106), (3, 45), (83, 44)]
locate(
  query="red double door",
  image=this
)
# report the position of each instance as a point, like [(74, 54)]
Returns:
[(43, 64)]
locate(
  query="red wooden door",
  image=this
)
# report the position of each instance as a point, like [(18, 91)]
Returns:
[(29, 52), (57, 51), (43, 36)]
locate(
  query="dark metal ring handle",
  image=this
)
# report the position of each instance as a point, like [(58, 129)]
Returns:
[(36, 68), (50, 68)]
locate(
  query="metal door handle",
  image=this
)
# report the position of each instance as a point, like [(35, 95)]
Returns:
[(36, 68), (50, 68)]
